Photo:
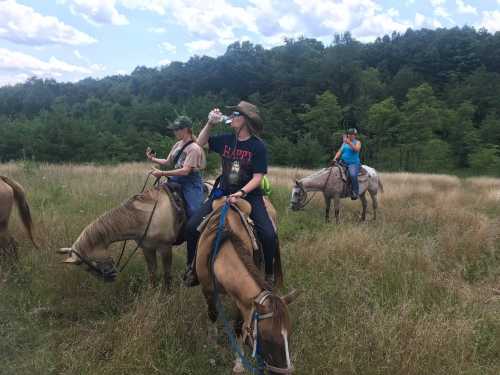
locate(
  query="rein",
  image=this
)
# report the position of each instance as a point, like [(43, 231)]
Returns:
[(139, 243), (256, 317), (110, 272)]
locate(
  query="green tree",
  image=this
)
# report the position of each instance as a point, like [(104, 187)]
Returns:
[(323, 121), (486, 160)]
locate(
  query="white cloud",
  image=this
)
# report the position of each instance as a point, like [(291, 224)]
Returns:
[(419, 20), (157, 6), (10, 79), (466, 8), (490, 20), (164, 62), (23, 25), (168, 47), (157, 30), (211, 19), (288, 22), (441, 12), (437, 3), (18, 61), (200, 46), (19, 66), (97, 12)]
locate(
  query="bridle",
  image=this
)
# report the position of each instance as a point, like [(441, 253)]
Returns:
[(110, 271), (256, 317), (303, 202), (251, 333)]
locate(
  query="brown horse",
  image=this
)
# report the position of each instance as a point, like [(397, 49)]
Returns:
[(10, 192), (237, 276), (151, 219)]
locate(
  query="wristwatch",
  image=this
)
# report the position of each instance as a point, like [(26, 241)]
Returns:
[(243, 193)]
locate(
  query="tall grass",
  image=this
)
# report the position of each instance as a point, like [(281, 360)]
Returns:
[(414, 293)]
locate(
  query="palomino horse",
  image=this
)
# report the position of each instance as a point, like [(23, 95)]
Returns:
[(10, 192), (264, 315), (330, 181), (149, 218)]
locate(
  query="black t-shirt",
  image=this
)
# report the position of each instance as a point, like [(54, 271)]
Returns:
[(238, 166)]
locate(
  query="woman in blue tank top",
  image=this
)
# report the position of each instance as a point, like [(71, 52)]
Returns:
[(349, 154)]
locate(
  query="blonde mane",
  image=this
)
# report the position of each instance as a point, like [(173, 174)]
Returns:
[(116, 220)]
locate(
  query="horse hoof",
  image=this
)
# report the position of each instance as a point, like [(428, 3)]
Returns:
[(238, 368)]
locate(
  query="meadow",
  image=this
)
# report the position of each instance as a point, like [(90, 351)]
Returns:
[(416, 292)]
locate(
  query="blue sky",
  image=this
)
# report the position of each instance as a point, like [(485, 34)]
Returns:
[(72, 39)]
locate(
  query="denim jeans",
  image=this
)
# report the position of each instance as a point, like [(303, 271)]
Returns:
[(263, 226), (192, 189), (353, 173)]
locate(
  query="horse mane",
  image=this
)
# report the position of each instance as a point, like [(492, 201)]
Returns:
[(113, 221), (278, 307), (243, 253)]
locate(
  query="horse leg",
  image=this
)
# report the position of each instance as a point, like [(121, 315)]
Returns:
[(212, 309), (373, 195), (336, 208), (364, 204), (166, 257), (238, 367), (150, 255), (328, 203)]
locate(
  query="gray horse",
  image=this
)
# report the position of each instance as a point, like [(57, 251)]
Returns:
[(332, 182)]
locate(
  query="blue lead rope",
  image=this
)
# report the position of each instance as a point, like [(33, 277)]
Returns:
[(259, 370)]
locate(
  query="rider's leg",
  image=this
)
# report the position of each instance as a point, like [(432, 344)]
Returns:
[(192, 233), (265, 230), (353, 173), (192, 191), (193, 195)]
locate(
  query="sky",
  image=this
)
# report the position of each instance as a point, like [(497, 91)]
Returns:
[(69, 40)]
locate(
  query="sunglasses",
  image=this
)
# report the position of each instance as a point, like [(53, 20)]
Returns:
[(235, 114)]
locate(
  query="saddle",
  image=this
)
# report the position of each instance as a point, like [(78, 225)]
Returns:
[(174, 191), (243, 209), (344, 174)]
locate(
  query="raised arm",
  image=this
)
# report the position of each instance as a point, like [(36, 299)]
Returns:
[(151, 156), (202, 139), (213, 118)]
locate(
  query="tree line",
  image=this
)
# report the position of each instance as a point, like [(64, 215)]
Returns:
[(425, 100)]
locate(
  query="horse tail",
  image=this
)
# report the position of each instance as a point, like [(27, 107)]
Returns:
[(380, 185), (278, 270), (22, 206)]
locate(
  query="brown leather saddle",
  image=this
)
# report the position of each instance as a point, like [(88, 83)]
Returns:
[(174, 191)]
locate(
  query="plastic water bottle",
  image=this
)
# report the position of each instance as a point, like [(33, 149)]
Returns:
[(226, 119)]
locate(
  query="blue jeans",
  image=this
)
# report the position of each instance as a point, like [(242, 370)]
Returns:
[(263, 226), (192, 189), (353, 173)]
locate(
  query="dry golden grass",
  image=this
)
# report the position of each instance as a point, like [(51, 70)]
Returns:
[(414, 293)]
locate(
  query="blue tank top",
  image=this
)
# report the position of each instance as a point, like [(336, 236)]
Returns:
[(349, 156)]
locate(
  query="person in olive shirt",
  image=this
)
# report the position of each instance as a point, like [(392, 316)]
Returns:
[(244, 164)]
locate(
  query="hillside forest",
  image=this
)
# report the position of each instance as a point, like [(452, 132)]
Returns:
[(423, 101)]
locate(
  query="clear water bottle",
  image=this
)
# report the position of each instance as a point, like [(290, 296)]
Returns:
[(226, 119)]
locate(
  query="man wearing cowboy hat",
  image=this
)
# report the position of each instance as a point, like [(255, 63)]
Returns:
[(244, 164)]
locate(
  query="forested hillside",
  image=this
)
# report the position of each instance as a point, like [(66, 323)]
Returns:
[(426, 100)]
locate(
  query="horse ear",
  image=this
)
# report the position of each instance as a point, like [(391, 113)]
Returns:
[(290, 297)]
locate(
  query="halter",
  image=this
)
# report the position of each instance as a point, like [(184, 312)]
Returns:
[(110, 273), (304, 202), (252, 333)]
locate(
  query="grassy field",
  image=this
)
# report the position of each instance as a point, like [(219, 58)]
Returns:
[(416, 292)]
